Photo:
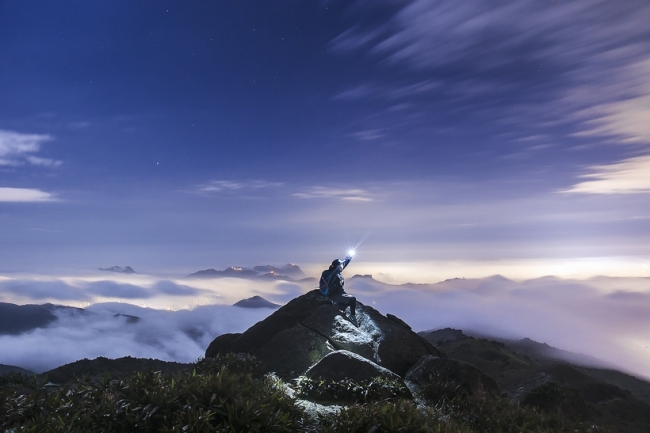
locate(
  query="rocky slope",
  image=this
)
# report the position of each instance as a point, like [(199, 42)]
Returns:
[(528, 372)]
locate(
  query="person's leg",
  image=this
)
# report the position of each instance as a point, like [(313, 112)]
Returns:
[(341, 299), (353, 304)]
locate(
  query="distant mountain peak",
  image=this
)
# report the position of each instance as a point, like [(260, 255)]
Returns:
[(366, 276), (267, 272), (124, 270), (289, 270)]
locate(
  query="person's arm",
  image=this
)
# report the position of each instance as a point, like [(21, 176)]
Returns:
[(346, 261)]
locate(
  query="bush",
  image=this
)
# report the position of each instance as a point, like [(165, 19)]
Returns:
[(483, 412), (218, 396), (18, 379), (402, 415), (230, 394), (348, 391)]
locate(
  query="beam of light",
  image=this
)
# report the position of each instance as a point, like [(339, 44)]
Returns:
[(352, 251)]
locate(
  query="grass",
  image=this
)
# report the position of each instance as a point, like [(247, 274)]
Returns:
[(232, 394)]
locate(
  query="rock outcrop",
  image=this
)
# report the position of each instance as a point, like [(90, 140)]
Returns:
[(301, 333), (341, 364)]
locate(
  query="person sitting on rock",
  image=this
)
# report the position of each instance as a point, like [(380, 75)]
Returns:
[(331, 285)]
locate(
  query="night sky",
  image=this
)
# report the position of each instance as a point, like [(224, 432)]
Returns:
[(509, 137)]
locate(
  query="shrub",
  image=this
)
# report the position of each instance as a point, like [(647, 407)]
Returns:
[(483, 412), (401, 415), (349, 391), (218, 395)]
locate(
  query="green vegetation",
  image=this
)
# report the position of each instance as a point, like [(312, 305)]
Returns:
[(232, 394), (220, 395), (347, 391)]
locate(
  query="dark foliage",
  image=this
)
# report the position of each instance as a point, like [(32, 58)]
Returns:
[(348, 391), (231, 394), (220, 399)]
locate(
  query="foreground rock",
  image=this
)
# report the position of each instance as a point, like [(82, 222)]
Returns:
[(341, 364), (308, 328)]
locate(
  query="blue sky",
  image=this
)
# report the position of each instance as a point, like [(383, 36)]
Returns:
[(177, 136)]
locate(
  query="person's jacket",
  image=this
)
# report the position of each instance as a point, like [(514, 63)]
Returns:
[(336, 280)]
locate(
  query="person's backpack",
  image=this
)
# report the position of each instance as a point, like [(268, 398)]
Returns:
[(324, 284)]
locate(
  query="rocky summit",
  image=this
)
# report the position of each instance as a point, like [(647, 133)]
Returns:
[(309, 331)]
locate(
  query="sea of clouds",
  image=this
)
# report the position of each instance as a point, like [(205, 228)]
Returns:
[(602, 317)]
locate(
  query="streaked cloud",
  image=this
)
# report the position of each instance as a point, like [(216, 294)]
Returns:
[(541, 63), (388, 91), (429, 34), (316, 192), (359, 92), (18, 149), (619, 106), (235, 186), (367, 135), (630, 176), (24, 195)]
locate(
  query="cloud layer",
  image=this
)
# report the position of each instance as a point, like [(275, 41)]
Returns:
[(180, 336), (602, 317)]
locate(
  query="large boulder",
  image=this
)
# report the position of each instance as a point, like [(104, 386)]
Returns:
[(462, 377), (299, 334), (342, 365), (292, 351), (340, 332)]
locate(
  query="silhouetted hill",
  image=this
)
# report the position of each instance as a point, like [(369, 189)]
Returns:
[(526, 369), (16, 319), (117, 368), (4, 369), (255, 302)]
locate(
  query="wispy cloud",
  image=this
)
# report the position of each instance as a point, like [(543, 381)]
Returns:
[(626, 177), (359, 92), (367, 135), (321, 192), (388, 91), (625, 115), (429, 34), (18, 149), (237, 186), (25, 195)]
